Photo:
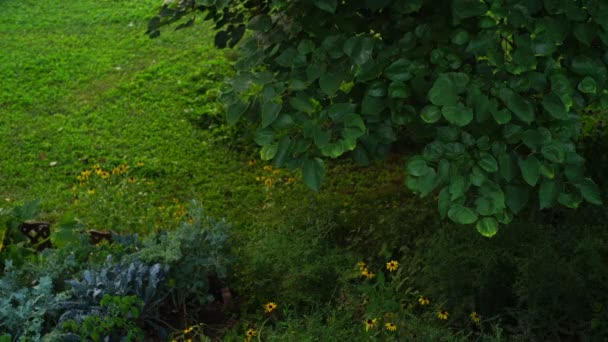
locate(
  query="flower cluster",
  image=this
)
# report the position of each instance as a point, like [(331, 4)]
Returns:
[(365, 271), (271, 175)]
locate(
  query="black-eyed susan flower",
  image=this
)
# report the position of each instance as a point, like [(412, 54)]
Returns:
[(132, 180), (368, 274), (475, 317), (290, 180), (392, 265), (91, 191), (390, 326), (250, 333), (270, 307), (104, 175), (362, 266), (370, 323), (276, 172), (443, 314), (268, 182), (423, 300), (187, 330), (140, 163), (267, 168)]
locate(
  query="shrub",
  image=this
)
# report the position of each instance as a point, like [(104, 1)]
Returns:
[(500, 84)]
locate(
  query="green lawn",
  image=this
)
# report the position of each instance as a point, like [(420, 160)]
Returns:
[(82, 84)]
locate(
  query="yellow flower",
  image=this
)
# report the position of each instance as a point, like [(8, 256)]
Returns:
[(91, 191), (189, 340), (132, 180), (276, 172), (104, 175), (390, 326), (392, 265), (250, 333), (251, 162), (424, 300), (443, 314), (475, 317), (140, 163), (370, 323), (268, 182), (366, 273), (188, 330), (267, 168), (362, 266), (270, 306), (290, 180)]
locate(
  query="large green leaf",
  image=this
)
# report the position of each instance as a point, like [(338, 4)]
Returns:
[(327, 5), (468, 8), (487, 226), (270, 111), (329, 83), (446, 88), (399, 70), (548, 193), (313, 171), (507, 166), (426, 183), (588, 85), (398, 90), (283, 150), (554, 106), (301, 103), (590, 191), (461, 214), (417, 166), (261, 22), (487, 162), (235, 110), (359, 48), (516, 197), (458, 114), (521, 107), (430, 114), (269, 151), (458, 187), (530, 169)]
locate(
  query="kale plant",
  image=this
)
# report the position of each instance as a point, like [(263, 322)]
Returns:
[(197, 254), (23, 309), (116, 279)]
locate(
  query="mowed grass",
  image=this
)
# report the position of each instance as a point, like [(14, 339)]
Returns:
[(81, 84)]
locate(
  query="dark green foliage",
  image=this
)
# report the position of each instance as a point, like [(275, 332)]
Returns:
[(541, 281), (507, 80)]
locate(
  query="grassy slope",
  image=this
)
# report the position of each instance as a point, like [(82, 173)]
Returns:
[(82, 84)]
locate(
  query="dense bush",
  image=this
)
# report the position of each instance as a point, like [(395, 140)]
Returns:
[(499, 86), (554, 290)]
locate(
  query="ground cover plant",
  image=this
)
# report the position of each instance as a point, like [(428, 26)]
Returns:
[(168, 224)]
